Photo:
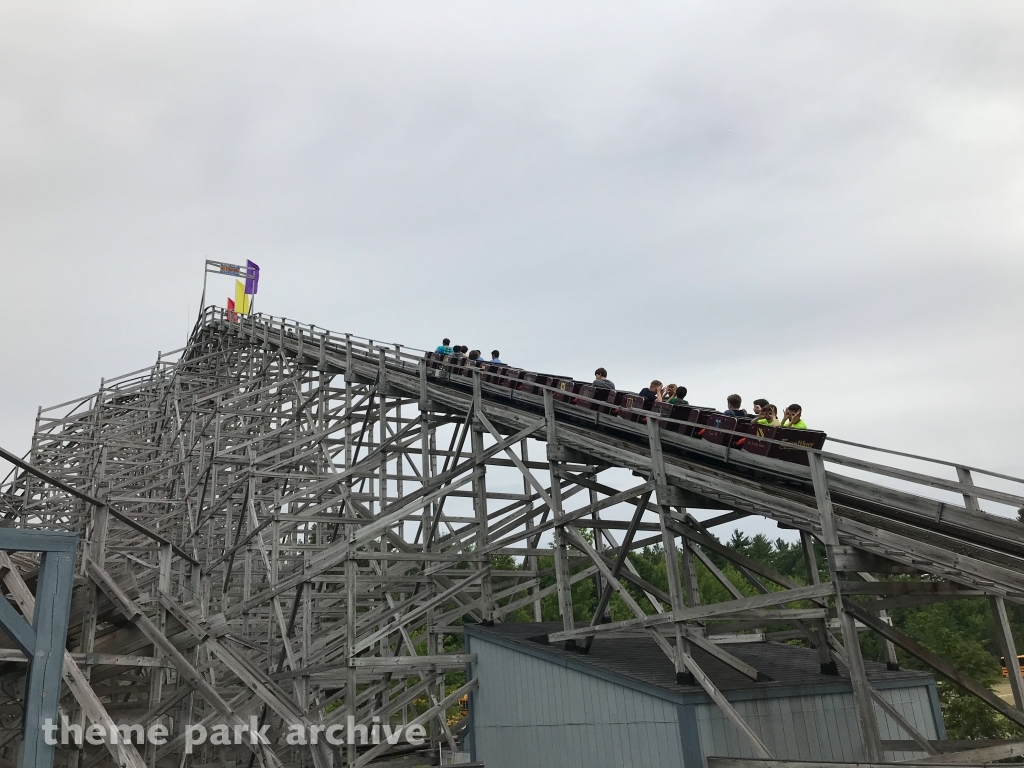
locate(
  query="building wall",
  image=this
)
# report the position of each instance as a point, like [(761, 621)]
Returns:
[(531, 711), (535, 710), (814, 727)]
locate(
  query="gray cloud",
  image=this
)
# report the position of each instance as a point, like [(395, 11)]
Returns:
[(816, 202)]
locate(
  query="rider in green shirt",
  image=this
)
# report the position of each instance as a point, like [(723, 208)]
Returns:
[(793, 419), (769, 416)]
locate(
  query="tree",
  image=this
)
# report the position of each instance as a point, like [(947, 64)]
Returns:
[(962, 632), (739, 542)]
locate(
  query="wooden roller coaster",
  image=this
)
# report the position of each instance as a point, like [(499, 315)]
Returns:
[(283, 523)]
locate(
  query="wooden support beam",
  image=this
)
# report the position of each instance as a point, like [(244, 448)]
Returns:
[(935, 661), (684, 676), (620, 559), (1004, 635), (562, 572), (713, 610), (825, 660), (854, 660)]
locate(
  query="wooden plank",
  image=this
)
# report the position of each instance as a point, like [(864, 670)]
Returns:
[(966, 753), (702, 611)]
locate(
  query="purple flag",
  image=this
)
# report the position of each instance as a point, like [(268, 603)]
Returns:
[(252, 283)]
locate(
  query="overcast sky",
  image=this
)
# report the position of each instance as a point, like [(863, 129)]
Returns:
[(811, 202)]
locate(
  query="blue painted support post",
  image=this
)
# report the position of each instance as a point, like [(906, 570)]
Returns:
[(43, 643)]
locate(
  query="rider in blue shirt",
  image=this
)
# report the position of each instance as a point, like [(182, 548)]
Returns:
[(734, 409)]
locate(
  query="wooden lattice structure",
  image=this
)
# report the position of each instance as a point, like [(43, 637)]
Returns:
[(286, 523)]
